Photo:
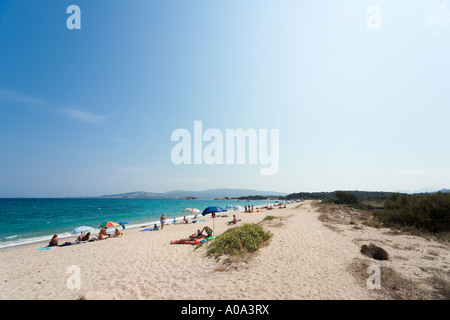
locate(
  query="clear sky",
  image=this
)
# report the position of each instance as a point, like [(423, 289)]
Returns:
[(91, 111)]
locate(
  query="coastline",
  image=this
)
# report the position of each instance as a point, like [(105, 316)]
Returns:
[(148, 215), (304, 260)]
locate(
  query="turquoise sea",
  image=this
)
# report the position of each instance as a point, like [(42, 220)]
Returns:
[(33, 220)]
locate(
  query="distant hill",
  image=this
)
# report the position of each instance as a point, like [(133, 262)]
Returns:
[(361, 195), (136, 195), (204, 195), (423, 190), (442, 190)]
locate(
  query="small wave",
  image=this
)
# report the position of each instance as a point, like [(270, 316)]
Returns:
[(12, 242)]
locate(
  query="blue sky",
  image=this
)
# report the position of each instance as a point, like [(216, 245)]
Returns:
[(90, 112)]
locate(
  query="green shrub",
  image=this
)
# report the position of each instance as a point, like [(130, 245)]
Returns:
[(345, 198), (239, 240), (426, 212)]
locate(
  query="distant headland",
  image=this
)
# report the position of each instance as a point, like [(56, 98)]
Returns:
[(197, 195), (246, 194)]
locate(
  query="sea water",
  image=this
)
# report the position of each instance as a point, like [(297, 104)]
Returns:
[(26, 221)]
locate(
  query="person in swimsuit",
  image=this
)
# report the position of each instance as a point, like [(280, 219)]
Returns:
[(54, 241), (208, 231), (117, 233), (234, 221), (162, 220), (102, 234), (84, 238)]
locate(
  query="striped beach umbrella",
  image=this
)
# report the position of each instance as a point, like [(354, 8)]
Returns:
[(109, 224)]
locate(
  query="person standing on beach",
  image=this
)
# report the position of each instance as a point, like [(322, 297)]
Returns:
[(162, 220)]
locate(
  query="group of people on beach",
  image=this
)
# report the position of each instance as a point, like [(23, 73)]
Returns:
[(86, 237), (104, 235)]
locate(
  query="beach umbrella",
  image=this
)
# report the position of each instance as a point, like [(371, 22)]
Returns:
[(195, 211), (108, 224), (212, 209), (187, 210), (82, 229), (123, 222), (238, 208)]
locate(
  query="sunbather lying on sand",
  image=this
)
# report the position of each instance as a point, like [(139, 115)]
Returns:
[(190, 240)]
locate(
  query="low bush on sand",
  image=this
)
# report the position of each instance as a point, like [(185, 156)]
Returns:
[(244, 239)]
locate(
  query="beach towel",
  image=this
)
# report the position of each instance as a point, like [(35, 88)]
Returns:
[(45, 248)]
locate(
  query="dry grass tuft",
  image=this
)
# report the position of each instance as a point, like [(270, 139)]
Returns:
[(393, 285), (375, 252)]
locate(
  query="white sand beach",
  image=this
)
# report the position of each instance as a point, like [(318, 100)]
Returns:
[(305, 259)]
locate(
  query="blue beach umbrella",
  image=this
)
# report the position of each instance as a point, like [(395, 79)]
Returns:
[(212, 209), (123, 223)]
